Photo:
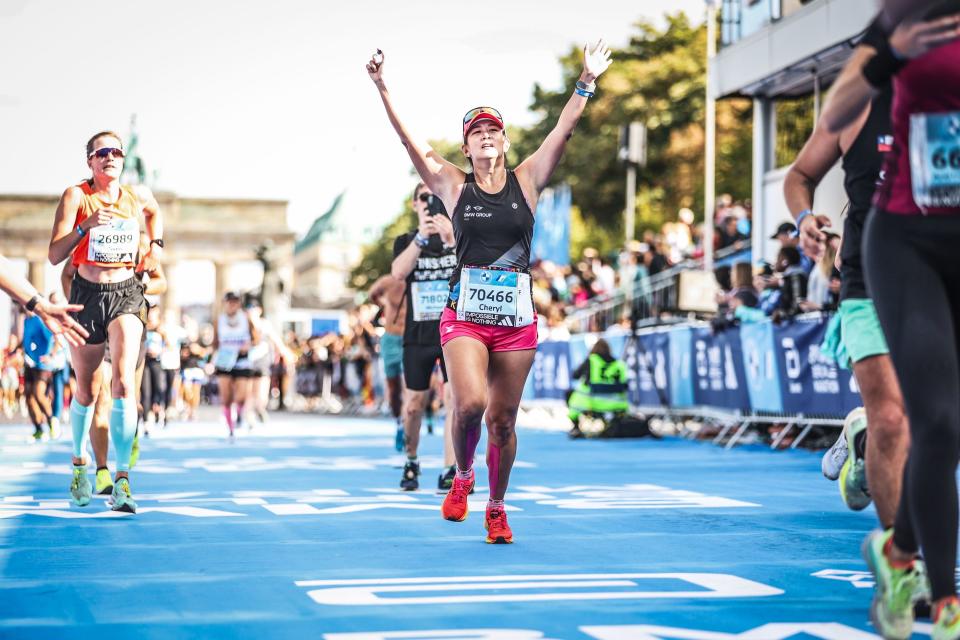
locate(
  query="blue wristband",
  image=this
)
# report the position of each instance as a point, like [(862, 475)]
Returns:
[(585, 94), (80, 231), (803, 214)]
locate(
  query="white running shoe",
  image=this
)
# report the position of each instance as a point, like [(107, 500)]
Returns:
[(834, 458)]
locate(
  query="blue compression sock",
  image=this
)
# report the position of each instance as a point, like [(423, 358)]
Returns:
[(81, 418), (123, 429)]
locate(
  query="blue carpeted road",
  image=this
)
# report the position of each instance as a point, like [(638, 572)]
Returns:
[(299, 530)]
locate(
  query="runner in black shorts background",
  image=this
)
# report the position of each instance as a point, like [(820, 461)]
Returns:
[(424, 259), (862, 145)]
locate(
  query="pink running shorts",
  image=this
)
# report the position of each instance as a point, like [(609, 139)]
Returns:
[(495, 338)]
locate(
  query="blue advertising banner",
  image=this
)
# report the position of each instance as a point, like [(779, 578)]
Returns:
[(849, 391), (579, 349), (651, 366), (681, 367), (617, 340), (551, 234), (719, 379), (551, 370), (809, 381), (760, 367)]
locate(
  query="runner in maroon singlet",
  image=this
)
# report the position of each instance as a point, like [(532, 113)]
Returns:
[(910, 251)]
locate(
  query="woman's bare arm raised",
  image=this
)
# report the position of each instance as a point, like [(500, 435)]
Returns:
[(534, 172), (443, 178)]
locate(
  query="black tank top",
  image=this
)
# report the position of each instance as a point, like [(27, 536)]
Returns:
[(491, 229), (863, 162)]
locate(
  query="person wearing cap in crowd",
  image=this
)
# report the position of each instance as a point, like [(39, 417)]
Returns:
[(786, 234), (488, 330), (235, 335)]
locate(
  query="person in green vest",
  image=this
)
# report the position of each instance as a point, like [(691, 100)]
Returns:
[(602, 386)]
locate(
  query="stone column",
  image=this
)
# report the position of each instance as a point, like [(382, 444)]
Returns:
[(35, 274), (221, 270), (168, 300)]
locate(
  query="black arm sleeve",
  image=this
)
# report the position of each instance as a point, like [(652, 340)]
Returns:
[(876, 35)]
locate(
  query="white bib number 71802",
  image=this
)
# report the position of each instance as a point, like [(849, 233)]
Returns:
[(429, 298), (494, 297), (935, 159)]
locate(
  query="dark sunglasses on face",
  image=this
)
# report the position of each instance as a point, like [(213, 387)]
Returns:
[(424, 197), (104, 152)]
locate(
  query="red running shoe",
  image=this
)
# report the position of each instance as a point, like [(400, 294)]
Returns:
[(498, 531), (454, 505)]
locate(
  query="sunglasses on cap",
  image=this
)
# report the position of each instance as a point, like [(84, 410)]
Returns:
[(481, 113), (104, 152), (473, 113)]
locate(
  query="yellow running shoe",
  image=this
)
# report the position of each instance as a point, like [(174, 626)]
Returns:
[(892, 608), (104, 483), (135, 451), (946, 625)]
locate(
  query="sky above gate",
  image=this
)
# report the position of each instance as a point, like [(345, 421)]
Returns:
[(241, 98)]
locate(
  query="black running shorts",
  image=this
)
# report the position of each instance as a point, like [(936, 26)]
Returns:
[(418, 363), (33, 375), (103, 302)]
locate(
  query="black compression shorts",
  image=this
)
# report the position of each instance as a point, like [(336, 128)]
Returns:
[(418, 363), (103, 302)]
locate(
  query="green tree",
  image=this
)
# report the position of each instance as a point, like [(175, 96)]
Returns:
[(658, 79)]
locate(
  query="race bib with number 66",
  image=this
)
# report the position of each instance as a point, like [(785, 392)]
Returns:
[(935, 159)]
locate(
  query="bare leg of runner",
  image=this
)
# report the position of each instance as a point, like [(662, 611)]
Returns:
[(413, 408), (448, 457), (225, 382), (508, 372), (125, 334), (888, 440), (467, 361)]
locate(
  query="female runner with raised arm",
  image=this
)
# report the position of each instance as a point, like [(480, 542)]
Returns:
[(488, 330)]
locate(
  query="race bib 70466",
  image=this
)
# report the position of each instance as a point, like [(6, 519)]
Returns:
[(495, 297)]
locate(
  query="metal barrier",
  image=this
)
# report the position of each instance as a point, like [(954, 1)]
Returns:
[(734, 379), (648, 300)]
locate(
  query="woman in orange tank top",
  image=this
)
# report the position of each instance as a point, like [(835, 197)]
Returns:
[(98, 224)]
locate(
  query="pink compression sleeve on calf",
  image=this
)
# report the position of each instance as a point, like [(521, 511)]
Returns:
[(493, 467), (228, 414), (473, 438)]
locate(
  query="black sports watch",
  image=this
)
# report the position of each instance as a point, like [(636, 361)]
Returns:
[(158, 242)]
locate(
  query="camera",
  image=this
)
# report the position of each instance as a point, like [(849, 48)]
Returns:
[(435, 206)]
